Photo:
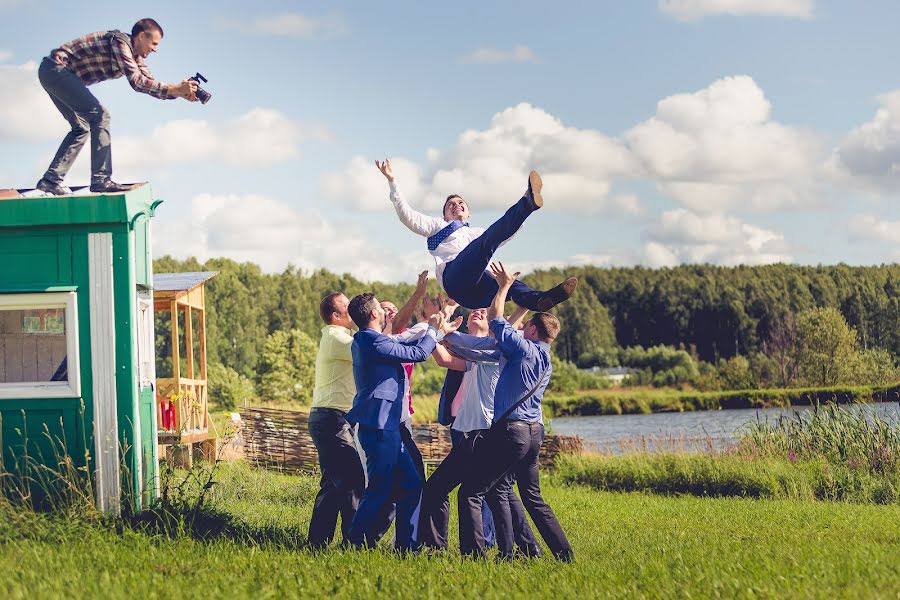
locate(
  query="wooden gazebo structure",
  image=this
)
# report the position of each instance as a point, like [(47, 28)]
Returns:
[(182, 409)]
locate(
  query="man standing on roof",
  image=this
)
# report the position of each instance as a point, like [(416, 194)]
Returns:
[(90, 59), (462, 253)]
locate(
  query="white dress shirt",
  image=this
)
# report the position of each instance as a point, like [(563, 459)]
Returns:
[(427, 226)]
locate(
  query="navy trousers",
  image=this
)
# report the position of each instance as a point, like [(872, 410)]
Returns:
[(393, 475), (85, 115), (466, 278), (510, 448)]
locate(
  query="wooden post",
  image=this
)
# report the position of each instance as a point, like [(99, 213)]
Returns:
[(205, 389), (176, 359), (188, 341)]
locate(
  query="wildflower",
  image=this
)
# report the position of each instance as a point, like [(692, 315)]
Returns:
[(792, 456)]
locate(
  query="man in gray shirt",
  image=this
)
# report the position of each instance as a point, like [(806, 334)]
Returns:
[(473, 409)]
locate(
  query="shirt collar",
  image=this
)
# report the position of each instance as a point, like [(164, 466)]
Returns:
[(338, 327)]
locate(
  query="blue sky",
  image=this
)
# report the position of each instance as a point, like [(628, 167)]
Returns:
[(721, 131)]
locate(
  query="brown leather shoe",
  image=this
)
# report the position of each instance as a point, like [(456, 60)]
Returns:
[(557, 295), (534, 190)]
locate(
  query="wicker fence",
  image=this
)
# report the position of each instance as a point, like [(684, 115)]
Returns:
[(279, 439)]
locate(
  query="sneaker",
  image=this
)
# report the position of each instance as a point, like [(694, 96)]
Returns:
[(109, 186), (557, 295), (52, 188), (534, 190)]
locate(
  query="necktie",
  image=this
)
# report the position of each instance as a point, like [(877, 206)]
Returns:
[(435, 240)]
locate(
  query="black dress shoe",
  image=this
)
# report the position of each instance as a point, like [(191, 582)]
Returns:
[(559, 294), (52, 188), (109, 187), (534, 190)]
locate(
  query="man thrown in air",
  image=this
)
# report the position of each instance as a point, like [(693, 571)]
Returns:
[(462, 253)]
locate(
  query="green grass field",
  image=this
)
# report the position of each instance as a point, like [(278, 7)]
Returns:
[(626, 545)]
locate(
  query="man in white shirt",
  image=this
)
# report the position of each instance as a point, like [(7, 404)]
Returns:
[(462, 253)]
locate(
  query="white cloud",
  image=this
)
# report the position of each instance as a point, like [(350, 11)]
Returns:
[(869, 155), (873, 228), (518, 54), (272, 234), (718, 149), (291, 25), (489, 168), (694, 10), (258, 138), (5, 55), (681, 236), (26, 112), (363, 186)]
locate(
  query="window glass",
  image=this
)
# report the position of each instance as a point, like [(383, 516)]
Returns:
[(33, 345)]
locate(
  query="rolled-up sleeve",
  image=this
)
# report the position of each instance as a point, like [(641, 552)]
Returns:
[(137, 73)]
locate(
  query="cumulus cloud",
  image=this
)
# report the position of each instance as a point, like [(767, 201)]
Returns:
[(718, 149), (489, 167), (272, 234), (869, 155), (694, 10), (363, 186), (258, 138), (518, 54), (26, 112), (291, 25), (873, 228), (681, 236)]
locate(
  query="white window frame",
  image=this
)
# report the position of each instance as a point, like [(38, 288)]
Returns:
[(48, 389), (146, 341)]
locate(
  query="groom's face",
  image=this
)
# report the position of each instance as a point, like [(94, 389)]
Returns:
[(456, 208)]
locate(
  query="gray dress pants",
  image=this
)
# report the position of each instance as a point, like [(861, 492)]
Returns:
[(85, 115)]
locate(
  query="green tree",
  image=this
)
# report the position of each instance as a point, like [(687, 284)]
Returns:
[(826, 352), (877, 367), (227, 387), (287, 367), (736, 374)]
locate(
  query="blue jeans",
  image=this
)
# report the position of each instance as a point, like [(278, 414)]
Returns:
[(392, 475), (466, 278), (85, 115)]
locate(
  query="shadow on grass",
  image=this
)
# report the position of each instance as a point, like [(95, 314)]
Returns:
[(208, 524)]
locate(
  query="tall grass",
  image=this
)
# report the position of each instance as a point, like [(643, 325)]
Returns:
[(853, 437), (830, 453)]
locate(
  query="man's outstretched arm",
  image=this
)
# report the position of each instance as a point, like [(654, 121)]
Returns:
[(404, 315), (414, 220), (140, 79)]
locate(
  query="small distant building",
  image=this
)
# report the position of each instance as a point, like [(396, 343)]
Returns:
[(616, 375)]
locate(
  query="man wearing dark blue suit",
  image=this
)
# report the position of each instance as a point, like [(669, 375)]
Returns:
[(377, 406)]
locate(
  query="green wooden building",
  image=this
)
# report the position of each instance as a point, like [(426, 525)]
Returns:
[(77, 362)]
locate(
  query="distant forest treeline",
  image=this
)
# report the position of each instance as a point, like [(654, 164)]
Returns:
[(713, 312)]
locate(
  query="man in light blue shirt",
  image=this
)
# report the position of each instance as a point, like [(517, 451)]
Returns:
[(513, 444), (473, 407)]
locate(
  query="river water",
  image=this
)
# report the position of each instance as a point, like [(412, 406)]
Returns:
[(691, 431)]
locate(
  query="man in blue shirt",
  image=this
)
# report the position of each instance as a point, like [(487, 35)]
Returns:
[(513, 444), (380, 391)]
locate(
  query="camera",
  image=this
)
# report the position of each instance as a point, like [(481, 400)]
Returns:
[(202, 95)]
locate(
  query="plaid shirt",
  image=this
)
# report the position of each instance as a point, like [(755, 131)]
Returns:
[(103, 55)]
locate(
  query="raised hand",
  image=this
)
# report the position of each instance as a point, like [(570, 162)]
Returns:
[(437, 320), (385, 168), (422, 283), (451, 326), (430, 306), (504, 279), (450, 306)]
